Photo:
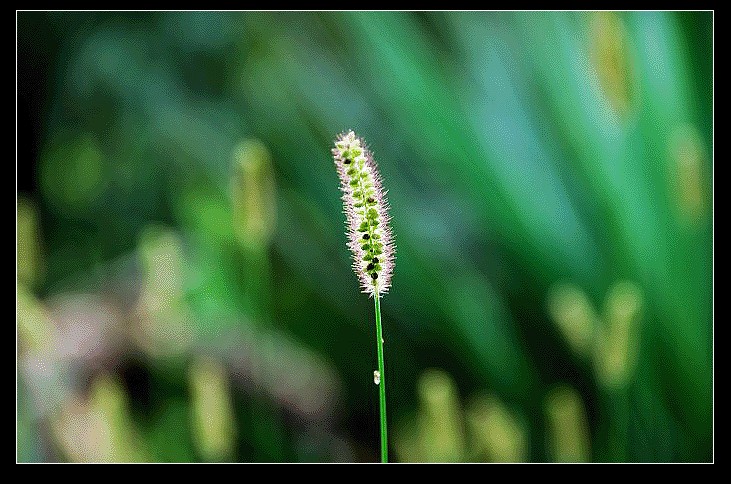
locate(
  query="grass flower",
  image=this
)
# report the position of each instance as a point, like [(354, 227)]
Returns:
[(366, 209), (370, 239)]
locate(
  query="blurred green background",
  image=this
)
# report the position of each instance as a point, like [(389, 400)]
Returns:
[(184, 288)]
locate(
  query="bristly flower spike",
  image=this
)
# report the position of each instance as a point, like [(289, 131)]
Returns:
[(366, 208)]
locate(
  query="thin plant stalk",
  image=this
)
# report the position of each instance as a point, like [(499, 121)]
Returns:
[(382, 382)]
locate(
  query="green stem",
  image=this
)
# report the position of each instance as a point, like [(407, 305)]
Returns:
[(382, 383)]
